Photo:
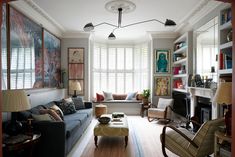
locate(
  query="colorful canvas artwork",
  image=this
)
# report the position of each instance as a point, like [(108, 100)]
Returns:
[(162, 61), (52, 60), (162, 85), (26, 49)]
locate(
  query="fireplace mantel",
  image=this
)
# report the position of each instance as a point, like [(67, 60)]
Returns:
[(206, 93)]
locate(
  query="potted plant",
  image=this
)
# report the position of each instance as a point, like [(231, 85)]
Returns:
[(146, 94)]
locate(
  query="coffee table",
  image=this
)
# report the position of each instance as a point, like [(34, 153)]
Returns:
[(112, 129)]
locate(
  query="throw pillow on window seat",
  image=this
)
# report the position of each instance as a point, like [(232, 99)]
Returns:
[(99, 97), (119, 96), (131, 96), (108, 95)]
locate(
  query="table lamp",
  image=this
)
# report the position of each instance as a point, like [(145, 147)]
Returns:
[(75, 86), (14, 101), (223, 96)]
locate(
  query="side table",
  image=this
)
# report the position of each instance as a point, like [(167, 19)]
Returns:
[(220, 140), (143, 108), (27, 147), (100, 109)]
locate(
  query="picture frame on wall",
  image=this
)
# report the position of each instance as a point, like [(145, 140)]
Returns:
[(76, 55), (162, 61), (162, 85), (76, 69)]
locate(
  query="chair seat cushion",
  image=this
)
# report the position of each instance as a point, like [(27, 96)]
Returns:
[(173, 141), (156, 113)]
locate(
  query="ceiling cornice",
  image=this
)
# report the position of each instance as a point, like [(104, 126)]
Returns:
[(163, 34), (200, 11), (34, 6), (75, 35)]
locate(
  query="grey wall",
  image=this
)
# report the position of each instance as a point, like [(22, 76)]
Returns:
[(75, 42), (161, 43)]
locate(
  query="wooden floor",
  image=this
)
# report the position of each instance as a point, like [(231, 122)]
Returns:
[(146, 144)]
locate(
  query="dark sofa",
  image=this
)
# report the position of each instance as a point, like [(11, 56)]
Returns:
[(58, 138)]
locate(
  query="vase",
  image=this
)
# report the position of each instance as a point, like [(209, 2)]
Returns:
[(230, 35)]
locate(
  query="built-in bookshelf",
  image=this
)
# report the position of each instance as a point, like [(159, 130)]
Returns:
[(226, 43), (182, 57)]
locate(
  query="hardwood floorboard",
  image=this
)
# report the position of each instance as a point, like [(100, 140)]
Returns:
[(144, 141)]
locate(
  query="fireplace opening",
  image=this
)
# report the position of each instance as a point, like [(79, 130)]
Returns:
[(181, 104), (203, 109)]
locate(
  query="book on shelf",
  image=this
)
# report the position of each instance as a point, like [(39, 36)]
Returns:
[(226, 16)]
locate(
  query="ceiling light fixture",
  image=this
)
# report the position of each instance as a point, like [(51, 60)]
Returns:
[(120, 7)]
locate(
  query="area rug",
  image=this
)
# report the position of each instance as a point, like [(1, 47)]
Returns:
[(144, 141)]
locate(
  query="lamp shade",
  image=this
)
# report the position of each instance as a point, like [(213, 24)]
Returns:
[(88, 27), (223, 94), (15, 100), (75, 85), (111, 36)]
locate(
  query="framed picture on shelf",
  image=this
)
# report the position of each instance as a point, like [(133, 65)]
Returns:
[(162, 85), (76, 55), (162, 61)]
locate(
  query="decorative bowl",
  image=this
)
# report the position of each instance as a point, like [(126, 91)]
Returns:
[(104, 120)]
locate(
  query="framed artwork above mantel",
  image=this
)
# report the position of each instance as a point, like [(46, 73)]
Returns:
[(76, 68)]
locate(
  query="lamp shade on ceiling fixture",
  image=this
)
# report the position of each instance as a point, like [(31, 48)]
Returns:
[(15, 100), (223, 94), (111, 36), (88, 27)]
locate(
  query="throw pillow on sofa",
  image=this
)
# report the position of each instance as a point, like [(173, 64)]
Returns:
[(58, 111), (119, 96), (78, 102), (67, 107), (52, 113), (42, 117)]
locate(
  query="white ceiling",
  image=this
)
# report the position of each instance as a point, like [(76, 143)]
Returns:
[(72, 15)]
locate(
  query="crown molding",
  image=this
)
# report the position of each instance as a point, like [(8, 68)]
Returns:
[(200, 11), (76, 34), (33, 11), (155, 34)]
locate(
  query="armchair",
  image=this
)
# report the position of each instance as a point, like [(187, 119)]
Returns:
[(186, 144), (163, 110)]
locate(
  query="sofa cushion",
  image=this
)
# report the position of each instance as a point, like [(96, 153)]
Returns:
[(87, 112), (73, 121), (78, 102)]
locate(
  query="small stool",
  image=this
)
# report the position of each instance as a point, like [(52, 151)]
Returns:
[(100, 109)]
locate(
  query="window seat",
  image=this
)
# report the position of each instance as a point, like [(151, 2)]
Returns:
[(129, 107)]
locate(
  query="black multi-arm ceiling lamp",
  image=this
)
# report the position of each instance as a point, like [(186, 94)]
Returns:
[(122, 6)]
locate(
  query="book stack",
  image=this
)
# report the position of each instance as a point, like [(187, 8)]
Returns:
[(225, 61)]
